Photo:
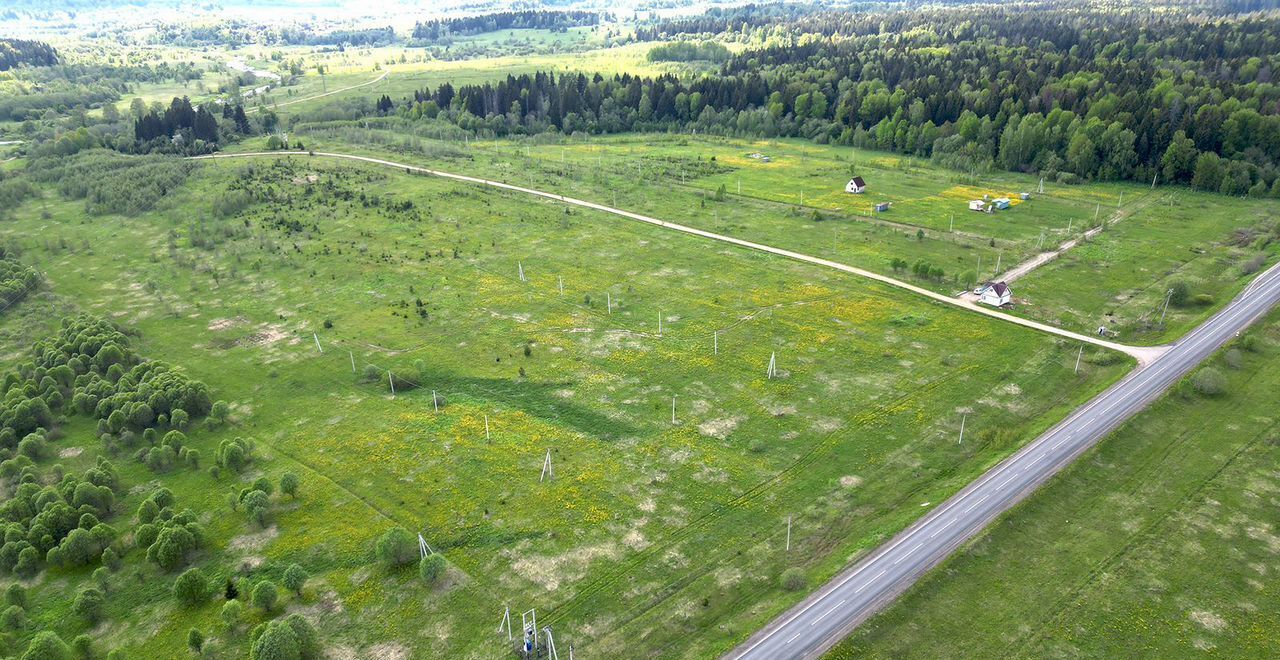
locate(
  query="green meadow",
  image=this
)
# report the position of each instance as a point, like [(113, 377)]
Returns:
[(659, 526), (1116, 278)]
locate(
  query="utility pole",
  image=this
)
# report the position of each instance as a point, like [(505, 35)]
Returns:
[(486, 426), (434, 401), (659, 323), (673, 409), (546, 468), (392, 381), (963, 419), (561, 280), (1079, 355), (353, 361), (788, 533), (313, 336), (715, 342), (1167, 297)]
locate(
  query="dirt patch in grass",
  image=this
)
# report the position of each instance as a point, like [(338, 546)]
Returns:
[(224, 324), (550, 572), (387, 651), (719, 428), (255, 541), (1209, 620), (70, 452), (267, 336)]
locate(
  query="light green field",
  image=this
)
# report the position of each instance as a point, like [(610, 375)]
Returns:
[(1160, 542), (1120, 279), (1117, 279), (653, 532)]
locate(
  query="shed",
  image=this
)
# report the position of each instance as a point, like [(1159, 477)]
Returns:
[(977, 205), (1024, 196), (996, 294), (1001, 203), (856, 186), (882, 207)]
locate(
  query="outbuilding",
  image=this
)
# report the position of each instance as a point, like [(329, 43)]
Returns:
[(1002, 203), (996, 294), (882, 207), (856, 186), (977, 205)]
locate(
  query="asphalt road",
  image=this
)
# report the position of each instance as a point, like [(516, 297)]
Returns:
[(829, 614)]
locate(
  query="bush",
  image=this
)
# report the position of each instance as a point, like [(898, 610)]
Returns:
[(191, 588), (90, 604), (431, 567), (195, 640), (294, 578), (793, 579), (1180, 293), (257, 505), (231, 612), (1209, 382), (396, 547), (1202, 300), (46, 645), (289, 484), (13, 618), (82, 645), (278, 641), (265, 595), (308, 640)]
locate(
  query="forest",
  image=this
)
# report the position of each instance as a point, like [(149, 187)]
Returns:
[(1101, 96), (62, 87), (20, 52), (435, 29), (689, 51)]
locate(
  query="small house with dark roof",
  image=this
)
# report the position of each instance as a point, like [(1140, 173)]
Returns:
[(996, 294), (856, 186)]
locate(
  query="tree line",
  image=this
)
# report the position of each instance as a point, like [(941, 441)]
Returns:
[(689, 51), (16, 278), (1075, 95), (439, 28), (25, 52)]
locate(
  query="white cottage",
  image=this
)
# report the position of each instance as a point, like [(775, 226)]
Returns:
[(996, 294), (856, 186)]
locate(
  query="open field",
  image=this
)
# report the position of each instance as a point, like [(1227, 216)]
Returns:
[(651, 532), (1152, 237), (1161, 541), (1120, 279)]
